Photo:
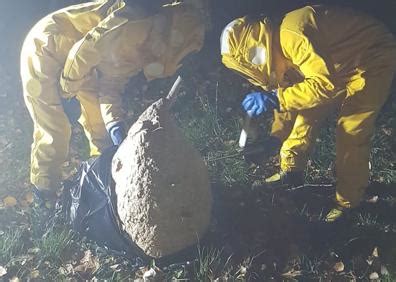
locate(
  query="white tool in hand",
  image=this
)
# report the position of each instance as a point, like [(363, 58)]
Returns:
[(244, 133)]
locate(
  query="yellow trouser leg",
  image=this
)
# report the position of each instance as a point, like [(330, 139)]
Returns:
[(92, 121), (283, 124), (51, 137), (51, 128), (354, 130), (353, 147), (296, 148)]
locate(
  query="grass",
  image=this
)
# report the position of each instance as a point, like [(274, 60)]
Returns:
[(367, 220), (244, 220), (11, 244), (209, 264), (286, 221), (321, 163), (53, 244), (215, 138), (212, 265)]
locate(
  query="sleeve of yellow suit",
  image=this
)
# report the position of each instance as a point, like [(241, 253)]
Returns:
[(318, 86), (79, 65), (110, 98), (82, 71)]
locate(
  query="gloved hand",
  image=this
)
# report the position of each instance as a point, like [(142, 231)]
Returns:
[(260, 102), (117, 133), (72, 108)]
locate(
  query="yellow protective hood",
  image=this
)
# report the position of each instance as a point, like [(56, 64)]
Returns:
[(177, 31), (246, 48)]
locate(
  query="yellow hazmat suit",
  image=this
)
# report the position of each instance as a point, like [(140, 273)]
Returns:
[(89, 51), (346, 60)]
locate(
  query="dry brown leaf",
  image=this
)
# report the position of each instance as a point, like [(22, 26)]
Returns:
[(149, 274), (374, 276), (373, 200), (387, 131), (9, 202), (29, 198), (339, 266), (292, 274), (375, 252), (89, 263), (3, 271), (115, 266), (34, 274), (229, 142), (154, 274), (370, 260), (66, 269), (33, 250)]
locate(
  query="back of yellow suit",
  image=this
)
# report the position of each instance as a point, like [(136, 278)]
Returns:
[(346, 60), (90, 51)]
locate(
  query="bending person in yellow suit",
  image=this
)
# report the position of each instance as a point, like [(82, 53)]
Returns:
[(345, 60), (85, 54)]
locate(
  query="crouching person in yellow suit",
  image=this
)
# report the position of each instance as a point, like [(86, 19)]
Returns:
[(84, 55), (346, 61)]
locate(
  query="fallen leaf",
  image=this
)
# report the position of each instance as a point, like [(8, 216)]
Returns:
[(339, 266), (154, 274), (3, 271), (114, 266), (149, 274), (387, 131), (384, 270), (33, 250), (89, 263), (373, 200), (370, 260), (66, 269), (243, 270), (9, 202), (14, 279), (29, 198), (229, 142), (375, 252), (374, 276), (292, 274), (34, 274)]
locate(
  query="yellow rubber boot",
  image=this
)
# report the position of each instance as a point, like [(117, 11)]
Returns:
[(335, 214), (285, 179)]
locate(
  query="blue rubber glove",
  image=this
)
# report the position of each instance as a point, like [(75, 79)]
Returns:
[(117, 133), (257, 103), (72, 108)]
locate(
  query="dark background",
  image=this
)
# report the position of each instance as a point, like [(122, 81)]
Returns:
[(18, 16), (223, 11)]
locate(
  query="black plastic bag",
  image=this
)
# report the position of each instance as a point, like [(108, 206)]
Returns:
[(89, 204)]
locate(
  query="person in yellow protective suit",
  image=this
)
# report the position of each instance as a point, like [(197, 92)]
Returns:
[(85, 54), (345, 60)]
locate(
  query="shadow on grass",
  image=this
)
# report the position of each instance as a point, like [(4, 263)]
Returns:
[(285, 233)]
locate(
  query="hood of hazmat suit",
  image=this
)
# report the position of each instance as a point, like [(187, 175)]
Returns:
[(128, 41), (246, 48), (177, 31)]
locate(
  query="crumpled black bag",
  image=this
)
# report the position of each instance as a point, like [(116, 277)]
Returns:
[(89, 205)]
